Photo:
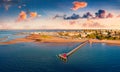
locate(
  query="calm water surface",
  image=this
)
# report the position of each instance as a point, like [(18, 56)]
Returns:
[(41, 57)]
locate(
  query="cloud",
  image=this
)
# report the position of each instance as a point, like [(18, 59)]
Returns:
[(107, 23), (118, 16), (87, 15), (72, 22), (100, 14), (57, 16), (5, 25), (78, 5), (22, 16), (33, 14), (92, 24), (65, 17), (103, 14), (74, 16), (110, 15)]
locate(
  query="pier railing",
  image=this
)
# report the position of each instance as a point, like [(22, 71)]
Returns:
[(64, 56), (78, 47)]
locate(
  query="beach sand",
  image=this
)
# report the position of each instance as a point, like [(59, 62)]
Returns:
[(47, 39), (39, 38)]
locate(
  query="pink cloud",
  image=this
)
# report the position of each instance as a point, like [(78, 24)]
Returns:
[(22, 16), (33, 14), (92, 24), (78, 5)]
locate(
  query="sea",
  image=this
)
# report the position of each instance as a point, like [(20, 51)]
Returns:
[(42, 57)]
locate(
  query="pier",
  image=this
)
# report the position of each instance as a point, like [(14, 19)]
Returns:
[(64, 56)]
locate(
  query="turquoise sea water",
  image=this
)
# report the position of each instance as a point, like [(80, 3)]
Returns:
[(41, 57)]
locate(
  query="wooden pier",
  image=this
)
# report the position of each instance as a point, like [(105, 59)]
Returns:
[(64, 56)]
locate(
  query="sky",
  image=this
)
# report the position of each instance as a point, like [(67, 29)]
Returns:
[(59, 14)]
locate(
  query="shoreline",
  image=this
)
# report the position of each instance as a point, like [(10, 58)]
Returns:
[(52, 39), (108, 42)]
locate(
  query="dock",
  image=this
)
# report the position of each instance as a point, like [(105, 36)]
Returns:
[(64, 56)]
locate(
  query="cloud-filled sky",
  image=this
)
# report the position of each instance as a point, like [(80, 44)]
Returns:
[(59, 14)]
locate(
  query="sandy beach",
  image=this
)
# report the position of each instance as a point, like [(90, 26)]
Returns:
[(39, 38)]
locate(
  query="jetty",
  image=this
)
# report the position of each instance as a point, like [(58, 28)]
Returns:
[(64, 56)]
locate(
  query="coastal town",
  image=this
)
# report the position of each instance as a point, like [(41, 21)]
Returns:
[(96, 36), (83, 34)]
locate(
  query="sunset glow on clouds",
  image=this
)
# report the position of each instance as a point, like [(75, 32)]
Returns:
[(45, 14), (78, 5), (33, 14), (111, 23), (23, 16)]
